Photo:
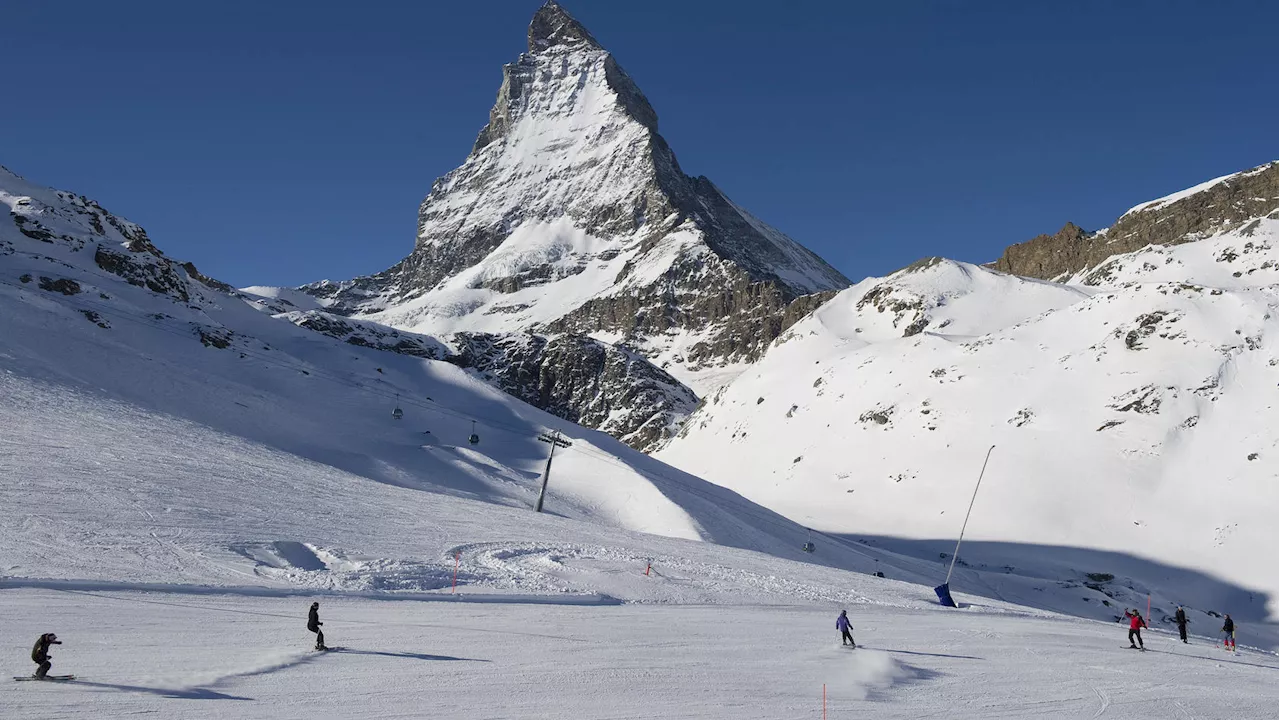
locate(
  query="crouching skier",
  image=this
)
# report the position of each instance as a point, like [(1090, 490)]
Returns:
[(313, 624), (40, 654), (842, 624)]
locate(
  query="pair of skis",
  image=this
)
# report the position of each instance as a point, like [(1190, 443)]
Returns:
[(46, 678)]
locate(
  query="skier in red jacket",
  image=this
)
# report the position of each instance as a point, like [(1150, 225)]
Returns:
[(1135, 628)]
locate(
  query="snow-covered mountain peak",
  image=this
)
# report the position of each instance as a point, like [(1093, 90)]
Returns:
[(572, 217), (572, 147), (553, 26)]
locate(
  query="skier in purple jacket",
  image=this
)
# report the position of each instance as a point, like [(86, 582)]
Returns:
[(842, 624)]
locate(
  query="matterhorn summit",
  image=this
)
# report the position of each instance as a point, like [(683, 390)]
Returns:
[(572, 217)]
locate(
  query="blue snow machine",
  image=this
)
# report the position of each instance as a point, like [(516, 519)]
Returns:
[(944, 595)]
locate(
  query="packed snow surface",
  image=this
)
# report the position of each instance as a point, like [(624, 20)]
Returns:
[(200, 656)]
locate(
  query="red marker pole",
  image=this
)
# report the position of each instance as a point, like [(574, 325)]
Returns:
[(824, 701), (456, 560), (1148, 609)]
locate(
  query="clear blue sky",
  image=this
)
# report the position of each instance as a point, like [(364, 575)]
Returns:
[(279, 143)]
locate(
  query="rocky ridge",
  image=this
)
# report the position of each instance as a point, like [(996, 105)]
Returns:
[(1215, 207)]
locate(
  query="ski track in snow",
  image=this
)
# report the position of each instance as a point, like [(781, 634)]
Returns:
[(405, 659)]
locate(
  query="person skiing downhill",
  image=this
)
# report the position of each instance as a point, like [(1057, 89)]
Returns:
[(313, 624), (842, 624), (1180, 617), (1135, 628), (40, 653), (1228, 634)]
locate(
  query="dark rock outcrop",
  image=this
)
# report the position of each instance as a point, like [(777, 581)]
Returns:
[(370, 335), (577, 378), (1221, 207)]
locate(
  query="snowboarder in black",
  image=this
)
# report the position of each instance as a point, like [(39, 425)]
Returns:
[(1180, 617), (313, 624), (1228, 633), (40, 653)]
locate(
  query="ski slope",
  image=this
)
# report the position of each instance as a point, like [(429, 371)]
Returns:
[(185, 656)]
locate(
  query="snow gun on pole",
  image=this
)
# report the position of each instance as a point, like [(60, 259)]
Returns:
[(944, 590)]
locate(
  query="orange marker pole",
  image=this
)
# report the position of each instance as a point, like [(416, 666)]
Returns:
[(1148, 609), (824, 701)]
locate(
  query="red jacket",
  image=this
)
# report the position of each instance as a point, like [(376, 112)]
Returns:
[(1135, 622)]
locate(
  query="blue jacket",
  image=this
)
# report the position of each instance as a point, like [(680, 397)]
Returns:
[(842, 623)]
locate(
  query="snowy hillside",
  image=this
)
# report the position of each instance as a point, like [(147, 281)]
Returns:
[(571, 216), (99, 322), (1133, 413)]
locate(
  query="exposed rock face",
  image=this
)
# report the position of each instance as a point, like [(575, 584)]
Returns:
[(1218, 206), (371, 335), (584, 380), (1048, 256), (575, 377)]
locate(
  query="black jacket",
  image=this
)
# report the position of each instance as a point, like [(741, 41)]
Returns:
[(1228, 626), (313, 619), (40, 653), (1180, 617)]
